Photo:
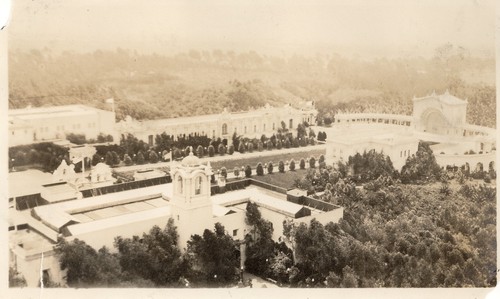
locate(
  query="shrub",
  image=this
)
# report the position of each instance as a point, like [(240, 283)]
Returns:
[(248, 171), (260, 169), (222, 150), (96, 158), (321, 136), (270, 168), (140, 158), (287, 144), (211, 150), (291, 166), (445, 189), (111, 158), (104, 138), (302, 141), (250, 147), (230, 149), (281, 167), (199, 151), (76, 138), (153, 157), (223, 172), (270, 145), (241, 147), (279, 144), (177, 153), (260, 146), (302, 164), (312, 162), (236, 172), (127, 160)]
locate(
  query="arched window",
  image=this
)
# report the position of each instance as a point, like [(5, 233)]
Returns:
[(224, 129), (197, 185), (179, 184)]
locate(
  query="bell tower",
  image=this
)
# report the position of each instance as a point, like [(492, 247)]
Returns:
[(191, 207)]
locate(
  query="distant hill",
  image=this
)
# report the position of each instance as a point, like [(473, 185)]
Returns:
[(201, 82)]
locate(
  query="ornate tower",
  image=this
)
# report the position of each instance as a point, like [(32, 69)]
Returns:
[(191, 207)]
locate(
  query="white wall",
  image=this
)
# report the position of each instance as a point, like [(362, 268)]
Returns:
[(31, 266), (232, 222), (324, 218), (397, 152), (106, 237)]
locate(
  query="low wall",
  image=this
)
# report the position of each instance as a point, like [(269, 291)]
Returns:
[(269, 186)]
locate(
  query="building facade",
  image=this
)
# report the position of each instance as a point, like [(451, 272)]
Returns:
[(31, 125), (397, 147), (97, 220), (266, 120), (440, 119), (439, 114)]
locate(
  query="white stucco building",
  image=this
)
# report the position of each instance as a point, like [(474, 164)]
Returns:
[(440, 119), (253, 123), (30, 125), (397, 147), (439, 114), (187, 200)]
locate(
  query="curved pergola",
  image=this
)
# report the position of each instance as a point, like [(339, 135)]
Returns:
[(368, 118)]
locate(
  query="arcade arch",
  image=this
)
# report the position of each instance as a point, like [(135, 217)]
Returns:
[(433, 121)]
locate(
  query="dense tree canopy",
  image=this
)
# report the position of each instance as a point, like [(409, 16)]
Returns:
[(369, 166), (214, 257), (421, 167), (265, 257), (401, 235), (155, 257)]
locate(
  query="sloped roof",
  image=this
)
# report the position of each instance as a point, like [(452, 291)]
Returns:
[(54, 218), (260, 198), (220, 211), (102, 224)]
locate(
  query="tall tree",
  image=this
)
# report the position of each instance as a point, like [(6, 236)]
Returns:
[(214, 256), (260, 245)]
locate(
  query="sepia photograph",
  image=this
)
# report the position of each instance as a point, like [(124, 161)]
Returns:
[(307, 149)]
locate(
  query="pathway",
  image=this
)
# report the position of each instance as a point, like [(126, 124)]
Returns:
[(258, 282)]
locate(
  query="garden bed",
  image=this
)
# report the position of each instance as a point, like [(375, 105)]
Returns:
[(231, 163)]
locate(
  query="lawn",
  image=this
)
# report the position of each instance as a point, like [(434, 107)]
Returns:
[(230, 164), (284, 180)]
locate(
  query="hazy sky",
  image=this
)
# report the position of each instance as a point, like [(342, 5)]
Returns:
[(395, 27)]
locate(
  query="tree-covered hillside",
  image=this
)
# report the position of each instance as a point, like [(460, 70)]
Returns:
[(199, 82)]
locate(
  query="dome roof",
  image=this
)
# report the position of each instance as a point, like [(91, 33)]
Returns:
[(191, 160)]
